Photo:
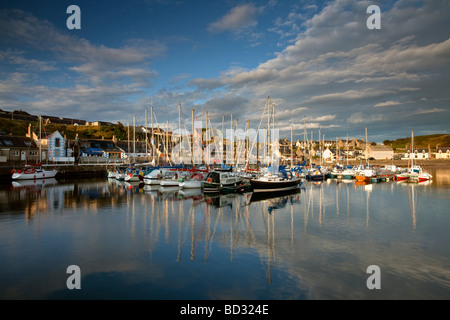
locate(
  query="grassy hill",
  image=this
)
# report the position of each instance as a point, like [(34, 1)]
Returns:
[(20, 128), (420, 141)]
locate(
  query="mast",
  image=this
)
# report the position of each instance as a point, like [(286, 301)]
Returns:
[(206, 135), (179, 128), (128, 140), (268, 127), (248, 141), (167, 142), (231, 156), (40, 139), (412, 149), (134, 138), (292, 151), (153, 133), (223, 140), (365, 148), (192, 145), (146, 139)]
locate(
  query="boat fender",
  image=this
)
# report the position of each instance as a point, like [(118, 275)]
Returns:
[(12, 171), (209, 180), (35, 176)]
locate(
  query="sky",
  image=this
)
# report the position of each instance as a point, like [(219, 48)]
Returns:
[(323, 68)]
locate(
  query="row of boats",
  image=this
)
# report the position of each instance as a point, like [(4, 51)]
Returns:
[(213, 180), (368, 173), (269, 179)]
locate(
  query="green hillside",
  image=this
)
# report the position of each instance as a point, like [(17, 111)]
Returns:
[(20, 128), (420, 141)]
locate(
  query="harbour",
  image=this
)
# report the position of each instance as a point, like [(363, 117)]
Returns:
[(226, 155), (135, 241)]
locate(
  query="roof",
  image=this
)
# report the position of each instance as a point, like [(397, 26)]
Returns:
[(17, 142), (380, 148)]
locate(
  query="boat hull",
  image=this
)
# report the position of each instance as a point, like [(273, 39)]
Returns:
[(191, 184), (316, 177), (44, 174), (274, 186), (219, 187)]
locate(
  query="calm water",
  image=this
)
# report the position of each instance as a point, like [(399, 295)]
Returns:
[(131, 243)]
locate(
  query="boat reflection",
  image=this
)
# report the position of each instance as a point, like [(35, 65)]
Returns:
[(34, 184)]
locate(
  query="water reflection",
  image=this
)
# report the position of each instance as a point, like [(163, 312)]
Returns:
[(313, 243)]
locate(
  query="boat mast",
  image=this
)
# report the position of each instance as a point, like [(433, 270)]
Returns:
[(366, 150), (146, 139), (128, 140), (40, 137), (179, 128), (268, 129), (153, 133), (248, 143), (192, 145), (134, 138)]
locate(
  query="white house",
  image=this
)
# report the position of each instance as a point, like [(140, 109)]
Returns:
[(379, 152), (56, 146), (443, 153), (328, 155), (419, 153)]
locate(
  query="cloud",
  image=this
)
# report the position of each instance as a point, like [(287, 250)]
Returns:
[(360, 117), (98, 62), (432, 110), (387, 104), (336, 65), (239, 17)]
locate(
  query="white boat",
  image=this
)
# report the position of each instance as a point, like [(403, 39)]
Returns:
[(415, 173), (170, 178), (33, 173), (132, 177), (194, 181), (154, 177), (223, 181)]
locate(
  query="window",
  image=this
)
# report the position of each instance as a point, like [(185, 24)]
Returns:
[(16, 153), (8, 143), (57, 143)]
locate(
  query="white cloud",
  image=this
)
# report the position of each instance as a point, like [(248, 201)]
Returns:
[(431, 110), (239, 17), (387, 104)]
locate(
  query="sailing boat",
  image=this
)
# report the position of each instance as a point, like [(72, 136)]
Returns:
[(35, 171), (415, 173), (274, 180)]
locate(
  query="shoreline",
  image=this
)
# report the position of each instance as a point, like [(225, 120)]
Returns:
[(402, 163)]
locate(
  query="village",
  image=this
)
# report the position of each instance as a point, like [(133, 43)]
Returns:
[(144, 144)]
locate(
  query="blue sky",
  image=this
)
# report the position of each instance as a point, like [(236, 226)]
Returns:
[(317, 60)]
